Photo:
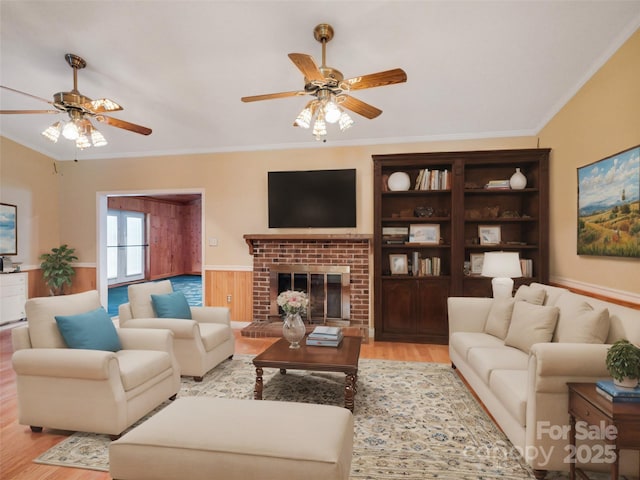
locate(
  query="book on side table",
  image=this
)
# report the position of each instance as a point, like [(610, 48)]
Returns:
[(613, 393), (324, 336)]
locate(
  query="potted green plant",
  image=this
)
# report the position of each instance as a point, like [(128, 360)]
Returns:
[(56, 268), (623, 363)]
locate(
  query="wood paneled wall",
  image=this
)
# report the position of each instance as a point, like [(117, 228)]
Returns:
[(83, 280), (233, 289)]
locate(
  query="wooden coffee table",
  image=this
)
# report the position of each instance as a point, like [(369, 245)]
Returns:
[(343, 358)]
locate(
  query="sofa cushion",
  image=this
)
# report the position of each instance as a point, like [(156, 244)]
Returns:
[(43, 329), (511, 387), (171, 305), (552, 293), (484, 360), (139, 366), (499, 317), (579, 322), (529, 294), (93, 330), (462, 342), (213, 334), (531, 324), (140, 297)]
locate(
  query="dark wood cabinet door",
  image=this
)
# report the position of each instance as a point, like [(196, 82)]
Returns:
[(398, 313), (431, 307)]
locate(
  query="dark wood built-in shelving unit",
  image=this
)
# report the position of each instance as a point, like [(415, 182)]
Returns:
[(414, 307)]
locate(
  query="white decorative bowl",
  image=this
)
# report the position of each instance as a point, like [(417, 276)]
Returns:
[(399, 181)]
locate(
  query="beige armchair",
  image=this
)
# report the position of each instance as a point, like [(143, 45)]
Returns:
[(199, 344), (88, 390)]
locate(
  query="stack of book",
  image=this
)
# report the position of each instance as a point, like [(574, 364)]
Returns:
[(616, 394), (324, 336), (395, 235), (498, 185)]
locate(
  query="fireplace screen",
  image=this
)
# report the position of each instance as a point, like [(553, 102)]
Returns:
[(327, 287)]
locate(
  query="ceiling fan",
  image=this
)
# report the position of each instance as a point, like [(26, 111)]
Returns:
[(79, 109), (331, 90)]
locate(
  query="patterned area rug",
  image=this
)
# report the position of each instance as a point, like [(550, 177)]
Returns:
[(412, 420)]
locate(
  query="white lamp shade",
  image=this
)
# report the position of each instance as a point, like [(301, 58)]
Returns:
[(501, 265)]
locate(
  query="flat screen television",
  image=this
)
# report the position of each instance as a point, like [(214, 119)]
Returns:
[(312, 199)]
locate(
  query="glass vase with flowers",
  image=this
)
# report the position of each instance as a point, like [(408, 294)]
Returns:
[(294, 304)]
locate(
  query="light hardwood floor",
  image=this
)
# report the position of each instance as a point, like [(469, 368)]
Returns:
[(19, 446)]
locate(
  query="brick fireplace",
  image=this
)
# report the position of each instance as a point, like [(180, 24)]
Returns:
[(350, 252)]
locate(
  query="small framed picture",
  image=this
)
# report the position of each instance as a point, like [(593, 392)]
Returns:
[(477, 260), (489, 234), (424, 233), (398, 264)]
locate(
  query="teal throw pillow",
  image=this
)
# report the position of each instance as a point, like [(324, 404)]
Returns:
[(171, 305), (93, 330)]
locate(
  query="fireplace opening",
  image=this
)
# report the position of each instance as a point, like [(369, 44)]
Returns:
[(327, 287)]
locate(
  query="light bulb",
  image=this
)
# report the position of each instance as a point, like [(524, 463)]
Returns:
[(331, 112), (345, 121), (304, 118), (82, 142), (97, 138), (53, 132), (70, 131), (319, 128)]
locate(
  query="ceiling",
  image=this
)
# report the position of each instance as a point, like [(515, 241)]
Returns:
[(475, 68)]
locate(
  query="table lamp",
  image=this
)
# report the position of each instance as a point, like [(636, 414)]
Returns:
[(501, 267)]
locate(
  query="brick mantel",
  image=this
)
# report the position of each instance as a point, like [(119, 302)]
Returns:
[(251, 238), (352, 250)]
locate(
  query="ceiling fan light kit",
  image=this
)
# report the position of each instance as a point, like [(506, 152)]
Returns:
[(331, 90), (79, 109)]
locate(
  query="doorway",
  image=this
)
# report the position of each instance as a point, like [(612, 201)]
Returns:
[(102, 265)]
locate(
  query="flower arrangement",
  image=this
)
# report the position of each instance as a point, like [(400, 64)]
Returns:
[(292, 301)]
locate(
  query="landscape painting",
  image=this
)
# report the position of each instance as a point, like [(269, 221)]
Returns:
[(8, 229), (609, 206)]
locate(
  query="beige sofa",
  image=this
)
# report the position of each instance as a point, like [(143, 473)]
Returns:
[(521, 380), (199, 344), (88, 390)]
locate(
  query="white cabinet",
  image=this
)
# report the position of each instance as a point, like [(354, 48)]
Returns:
[(13, 296)]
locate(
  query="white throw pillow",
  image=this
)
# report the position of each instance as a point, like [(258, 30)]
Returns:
[(529, 294), (499, 317), (578, 322), (531, 324)]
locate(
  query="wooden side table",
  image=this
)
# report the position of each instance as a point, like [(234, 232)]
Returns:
[(617, 423)]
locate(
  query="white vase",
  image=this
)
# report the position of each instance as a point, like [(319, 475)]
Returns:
[(293, 329), (518, 181), (626, 382), (399, 181)]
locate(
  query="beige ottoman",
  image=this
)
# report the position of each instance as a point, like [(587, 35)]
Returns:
[(218, 438)]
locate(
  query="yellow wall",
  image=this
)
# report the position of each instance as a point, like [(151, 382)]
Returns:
[(603, 118), (28, 180), (234, 185)]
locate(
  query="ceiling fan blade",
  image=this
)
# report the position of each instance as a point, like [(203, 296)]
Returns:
[(29, 111), (380, 79), (115, 122), (307, 66), (27, 94), (360, 107), (271, 96), (101, 105)]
